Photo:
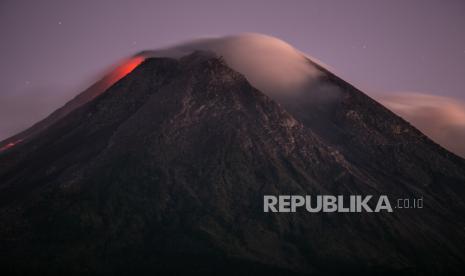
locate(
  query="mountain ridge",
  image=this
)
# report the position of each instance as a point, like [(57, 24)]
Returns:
[(173, 160)]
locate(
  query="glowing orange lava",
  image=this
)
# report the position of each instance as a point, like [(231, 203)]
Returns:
[(127, 67), (121, 71)]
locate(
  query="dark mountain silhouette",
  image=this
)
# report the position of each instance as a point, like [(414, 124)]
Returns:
[(122, 69), (165, 172)]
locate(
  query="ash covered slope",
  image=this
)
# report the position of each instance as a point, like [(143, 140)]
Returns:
[(166, 171)]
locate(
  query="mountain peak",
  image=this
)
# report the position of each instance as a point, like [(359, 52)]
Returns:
[(270, 64), (166, 172)]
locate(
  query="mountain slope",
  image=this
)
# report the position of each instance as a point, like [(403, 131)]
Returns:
[(84, 97), (167, 169)]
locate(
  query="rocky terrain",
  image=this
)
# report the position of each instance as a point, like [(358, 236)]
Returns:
[(165, 172)]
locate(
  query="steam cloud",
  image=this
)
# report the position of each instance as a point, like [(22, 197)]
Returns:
[(269, 64), (282, 72), (440, 118)]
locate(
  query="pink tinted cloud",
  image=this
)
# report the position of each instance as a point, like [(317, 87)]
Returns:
[(440, 118)]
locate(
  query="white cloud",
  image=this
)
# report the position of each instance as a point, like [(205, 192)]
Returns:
[(440, 118), (269, 64)]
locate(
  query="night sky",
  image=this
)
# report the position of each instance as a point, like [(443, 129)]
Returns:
[(52, 50)]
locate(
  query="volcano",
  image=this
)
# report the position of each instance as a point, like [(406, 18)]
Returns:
[(165, 170)]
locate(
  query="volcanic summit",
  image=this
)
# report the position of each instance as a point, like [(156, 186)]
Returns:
[(165, 170)]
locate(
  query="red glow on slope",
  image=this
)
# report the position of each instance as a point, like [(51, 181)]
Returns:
[(9, 145), (127, 67), (120, 72)]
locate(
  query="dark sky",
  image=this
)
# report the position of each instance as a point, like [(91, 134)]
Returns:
[(51, 50)]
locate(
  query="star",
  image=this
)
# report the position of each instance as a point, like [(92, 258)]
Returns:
[(59, 22), (364, 46)]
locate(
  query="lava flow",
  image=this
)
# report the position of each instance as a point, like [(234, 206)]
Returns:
[(120, 72)]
